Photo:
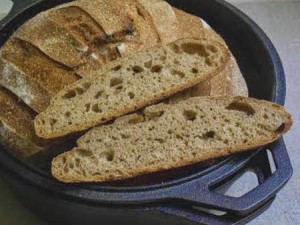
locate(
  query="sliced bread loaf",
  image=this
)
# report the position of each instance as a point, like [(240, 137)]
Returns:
[(129, 84), (167, 136), (16, 126)]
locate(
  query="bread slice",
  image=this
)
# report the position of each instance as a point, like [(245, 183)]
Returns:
[(164, 19), (129, 84), (166, 136), (31, 75), (16, 126)]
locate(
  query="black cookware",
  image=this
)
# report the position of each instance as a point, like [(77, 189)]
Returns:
[(180, 196)]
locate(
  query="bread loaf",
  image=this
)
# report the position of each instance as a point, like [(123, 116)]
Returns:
[(129, 84), (167, 136)]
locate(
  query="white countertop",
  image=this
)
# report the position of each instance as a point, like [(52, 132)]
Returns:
[(281, 21)]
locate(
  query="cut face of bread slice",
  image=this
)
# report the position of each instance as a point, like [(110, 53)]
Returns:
[(16, 126), (129, 84), (168, 136)]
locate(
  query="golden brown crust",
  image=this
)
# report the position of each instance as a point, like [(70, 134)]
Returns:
[(33, 94), (16, 126)]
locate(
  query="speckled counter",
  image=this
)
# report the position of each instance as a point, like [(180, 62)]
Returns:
[(281, 21)]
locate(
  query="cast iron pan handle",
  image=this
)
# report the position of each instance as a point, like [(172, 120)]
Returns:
[(18, 6), (267, 188)]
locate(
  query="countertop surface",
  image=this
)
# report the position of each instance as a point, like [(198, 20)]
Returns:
[(281, 21)]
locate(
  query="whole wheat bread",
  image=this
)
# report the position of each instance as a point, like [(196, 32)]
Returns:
[(165, 136), (129, 84)]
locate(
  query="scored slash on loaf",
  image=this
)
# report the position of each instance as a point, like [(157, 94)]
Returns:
[(131, 83), (165, 136)]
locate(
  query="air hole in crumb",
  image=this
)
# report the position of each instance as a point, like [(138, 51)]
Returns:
[(241, 106), (53, 121), (98, 94), (87, 107), (194, 48), (170, 131), (280, 129), (116, 68), (71, 166), (64, 160), (176, 48), (70, 123), (190, 115), (148, 64), (67, 114), (66, 170), (77, 162), (195, 70), (119, 87), (124, 136), (83, 152), (86, 85), (70, 94), (88, 141), (79, 91), (179, 137), (209, 134), (131, 95), (208, 62), (116, 81), (137, 69), (108, 155), (96, 108), (226, 141), (43, 122), (160, 140), (266, 116), (178, 73), (212, 48), (156, 69), (176, 61)]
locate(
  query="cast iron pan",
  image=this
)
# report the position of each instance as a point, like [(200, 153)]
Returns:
[(169, 197)]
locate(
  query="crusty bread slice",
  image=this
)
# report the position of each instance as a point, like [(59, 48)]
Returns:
[(164, 19), (167, 136), (31, 75), (16, 126), (129, 84)]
